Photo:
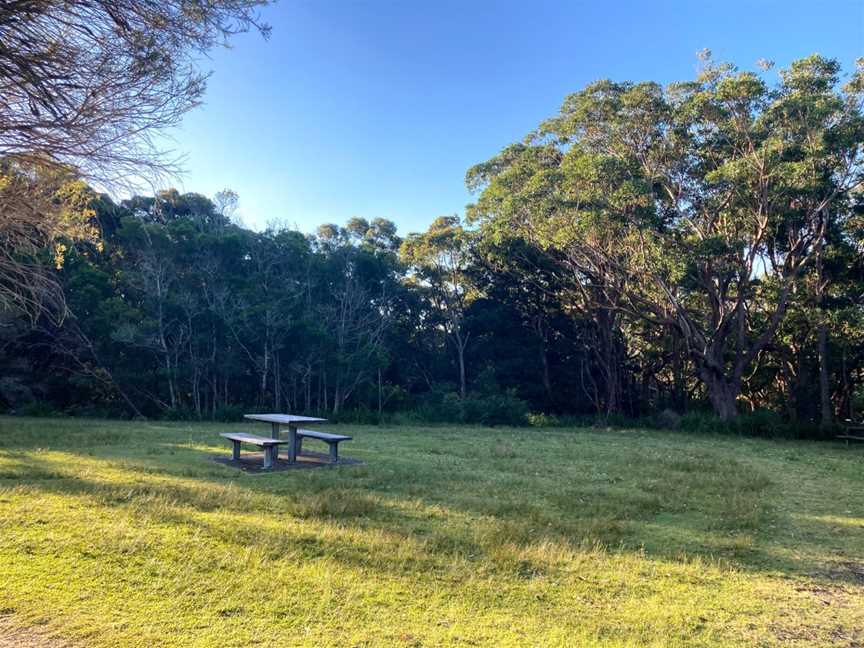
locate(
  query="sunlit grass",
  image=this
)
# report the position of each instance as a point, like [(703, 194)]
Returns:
[(129, 534)]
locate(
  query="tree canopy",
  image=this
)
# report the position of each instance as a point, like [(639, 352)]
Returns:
[(697, 207), (87, 88), (688, 248)]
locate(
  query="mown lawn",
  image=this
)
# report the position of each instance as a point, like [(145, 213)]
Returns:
[(128, 534)]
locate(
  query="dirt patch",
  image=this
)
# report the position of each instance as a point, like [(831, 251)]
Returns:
[(253, 462), (841, 577), (840, 636), (835, 575), (13, 636), (850, 572), (825, 594)]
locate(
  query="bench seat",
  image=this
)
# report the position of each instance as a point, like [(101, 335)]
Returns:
[(851, 431), (270, 445), (332, 440), (851, 437)]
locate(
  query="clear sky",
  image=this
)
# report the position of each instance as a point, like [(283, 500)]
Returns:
[(377, 108)]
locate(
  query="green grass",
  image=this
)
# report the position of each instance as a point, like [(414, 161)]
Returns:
[(128, 534)]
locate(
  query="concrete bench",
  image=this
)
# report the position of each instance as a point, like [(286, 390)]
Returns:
[(851, 432), (329, 438), (270, 445)]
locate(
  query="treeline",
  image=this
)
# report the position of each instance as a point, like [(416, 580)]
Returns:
[(683, 249), (178, 312)]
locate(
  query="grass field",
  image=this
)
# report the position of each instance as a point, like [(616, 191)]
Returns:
[(129, 534)]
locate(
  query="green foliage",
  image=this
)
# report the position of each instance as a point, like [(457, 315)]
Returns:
[(443, 405), (179, 414), (36, 408), (438, 405), (648, 250), (762, 424), (229, 413), (494, 409), (668, 420), (696, 208)]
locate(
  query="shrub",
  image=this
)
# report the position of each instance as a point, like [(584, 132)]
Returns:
[(228, 413), (699, 422), (486, 407), (97, 410), (37, 408), (359, 416), (540, 419), (439, 405), (179, 414), (495, 409), (761, 423), (617, 421), (405, 417), (13, 390), (668, 419)]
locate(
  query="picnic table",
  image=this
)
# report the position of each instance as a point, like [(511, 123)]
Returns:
[(276, 421), (852, 431)]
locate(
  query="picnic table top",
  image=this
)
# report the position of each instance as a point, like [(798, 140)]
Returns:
[(285, 419)]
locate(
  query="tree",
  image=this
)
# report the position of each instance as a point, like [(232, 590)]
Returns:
[(696, 207), (87, 84), (42, 209), (357, 282), (227, 203), (86, 87), (439, 259)]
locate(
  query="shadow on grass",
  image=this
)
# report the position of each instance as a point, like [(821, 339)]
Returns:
[(489, 507)]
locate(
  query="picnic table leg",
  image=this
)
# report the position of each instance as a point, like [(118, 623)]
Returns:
[(236, 451), (292, 443), (269, 451), (334, 452), (274, 433)]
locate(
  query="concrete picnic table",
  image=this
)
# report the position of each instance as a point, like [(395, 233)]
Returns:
[(278, 420)]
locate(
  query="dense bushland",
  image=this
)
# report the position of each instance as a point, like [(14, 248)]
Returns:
[(649, 254)]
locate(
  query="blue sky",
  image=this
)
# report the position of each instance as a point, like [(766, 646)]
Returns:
[(377, 108)]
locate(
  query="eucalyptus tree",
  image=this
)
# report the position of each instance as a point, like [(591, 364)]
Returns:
[(89, 83), (86, 87), (439, 261), (696, 207), (42, 209), (519, 278), (152, 274), (357, 283)]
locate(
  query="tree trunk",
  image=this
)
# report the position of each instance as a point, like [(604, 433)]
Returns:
[(380, 395), (460, 352), (264, 371), (608, 358), (679, 393), (171, 390), (547, 380), (544, 359), (277, 383), (824, 389), (337, 394), (789, 386), (827, 418), (324, 389), (196, 391), (723, 395)]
